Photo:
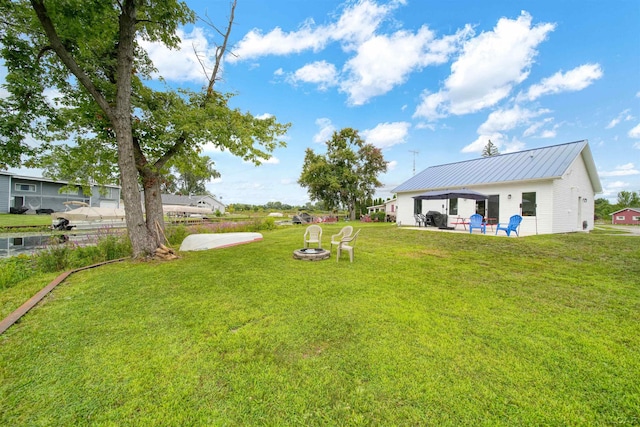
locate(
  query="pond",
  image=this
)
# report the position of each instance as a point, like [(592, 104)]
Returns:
[(13, 245)]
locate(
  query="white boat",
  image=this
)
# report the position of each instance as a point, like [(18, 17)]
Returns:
[(200, 242), (88, 218)]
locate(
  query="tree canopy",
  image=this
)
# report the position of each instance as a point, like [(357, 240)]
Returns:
[(104, 122), (346, 174)]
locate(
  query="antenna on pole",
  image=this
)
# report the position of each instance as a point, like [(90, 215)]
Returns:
[(415, 153)]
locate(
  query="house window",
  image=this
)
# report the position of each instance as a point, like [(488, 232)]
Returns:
[(453, 206), (528, 204), (620, 218), (635, 218), (26, 187), (417, 206), (109, 193)]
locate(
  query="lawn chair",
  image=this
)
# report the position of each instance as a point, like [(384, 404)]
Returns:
[(476, 221), (514, 223), (313, 235), (347, 244), (418, 219), (337, 238)]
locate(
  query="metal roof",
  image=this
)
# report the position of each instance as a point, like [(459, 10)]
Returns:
[(535, 164)]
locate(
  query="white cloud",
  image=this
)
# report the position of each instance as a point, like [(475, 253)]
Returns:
[(392, 165), (383, 62), (489, 66), (320, 73), (623, 116), (357, 23), (504, 120), (264, 116), (182, 64), (325, 132), (622, 170), (571, 81), (549, 133), (635, 132), (535, 127), (379, 61), (387, 135), (255, 44), (273, 160)]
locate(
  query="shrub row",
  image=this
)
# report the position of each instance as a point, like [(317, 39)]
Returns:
[(63, 256)]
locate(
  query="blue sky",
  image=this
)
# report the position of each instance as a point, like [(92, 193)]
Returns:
[(428, 82)]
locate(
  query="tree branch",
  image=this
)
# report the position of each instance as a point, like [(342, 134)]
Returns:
[(68, 60)]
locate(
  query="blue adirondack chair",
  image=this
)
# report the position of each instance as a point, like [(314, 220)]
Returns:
[(476, 221), (514, 223)]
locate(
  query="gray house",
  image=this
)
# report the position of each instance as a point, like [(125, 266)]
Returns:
[(34, 193)]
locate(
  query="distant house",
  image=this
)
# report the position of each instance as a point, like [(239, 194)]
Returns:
[(553, 188), (389, 207), (42, 194), (198, 201), (627, 216)]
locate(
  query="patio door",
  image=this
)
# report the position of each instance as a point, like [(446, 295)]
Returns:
[(18, 201), (493, 211)]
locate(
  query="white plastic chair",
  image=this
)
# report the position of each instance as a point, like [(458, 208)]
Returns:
[(347, 244), (337, 238), (313, 235)]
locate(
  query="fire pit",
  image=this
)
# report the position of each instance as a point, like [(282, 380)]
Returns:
[(311, 254)]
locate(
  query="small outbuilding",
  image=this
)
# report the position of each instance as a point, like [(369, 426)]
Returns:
[(626, 216), (553, 188)]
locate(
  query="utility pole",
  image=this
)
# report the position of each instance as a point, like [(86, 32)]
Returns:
[(415, 153)]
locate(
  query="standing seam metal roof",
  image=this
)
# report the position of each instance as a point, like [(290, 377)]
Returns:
[(534, 164)]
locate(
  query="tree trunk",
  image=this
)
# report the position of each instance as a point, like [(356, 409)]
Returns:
[(153, 205), (143, 242)]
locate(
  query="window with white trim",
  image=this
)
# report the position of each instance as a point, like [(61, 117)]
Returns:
[(620, 217), (635, 218), (25, 187)]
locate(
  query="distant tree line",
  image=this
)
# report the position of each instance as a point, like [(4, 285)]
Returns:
[(626, 199)]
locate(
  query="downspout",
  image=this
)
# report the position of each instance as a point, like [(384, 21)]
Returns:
[(9, 196)]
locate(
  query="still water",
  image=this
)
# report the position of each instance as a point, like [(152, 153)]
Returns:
[(27, 244)]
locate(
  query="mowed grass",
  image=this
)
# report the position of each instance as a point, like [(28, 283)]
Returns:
[(11, 220), (424, 328)]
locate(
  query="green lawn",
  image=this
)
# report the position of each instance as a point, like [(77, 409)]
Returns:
[(9, 220), (424, 328)]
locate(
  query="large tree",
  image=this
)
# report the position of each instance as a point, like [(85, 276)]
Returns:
[(346, 174), (628, 199), (88, 54)]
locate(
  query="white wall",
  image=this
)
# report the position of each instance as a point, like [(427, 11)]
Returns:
[(574, 199)]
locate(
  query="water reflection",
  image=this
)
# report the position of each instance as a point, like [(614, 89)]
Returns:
[(29, 244)]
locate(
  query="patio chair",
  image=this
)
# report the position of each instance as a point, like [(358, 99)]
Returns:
[(347, 244), (418, 219), (476, 221), (313, 235), (337, 238), (514, 223)]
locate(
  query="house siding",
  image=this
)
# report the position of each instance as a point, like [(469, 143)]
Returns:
[(5, 193), (47, 193), (626, 217), (574, 200)]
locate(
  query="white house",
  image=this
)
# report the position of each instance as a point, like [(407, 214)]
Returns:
[(389, 207), (199, 201), (553, 188)]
